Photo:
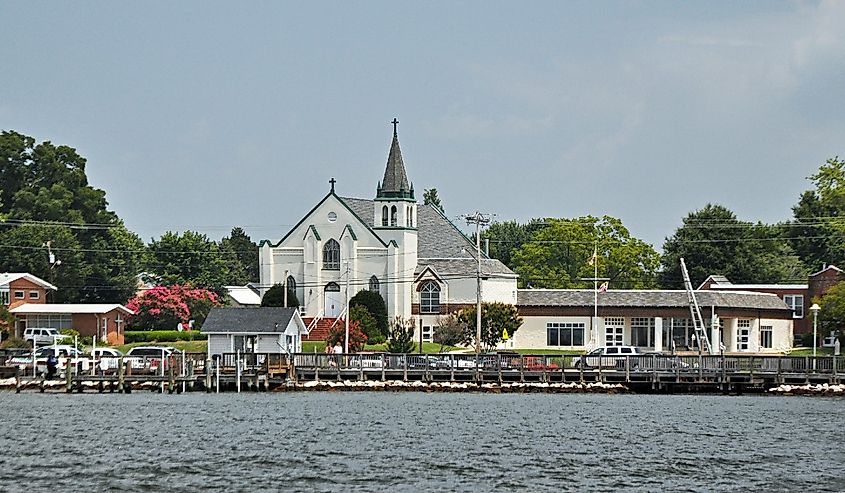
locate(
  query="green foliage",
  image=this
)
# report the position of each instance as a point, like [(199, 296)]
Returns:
[(374, 303), (817, 228), (15, 343), (43, 190), (275, 296), (832, 312), (241, 254), (131, 336), (507, 237), (449, 331), (189, 258), (168, 306), (400, 335), (430, 198), (7, 320), (713, 241), (558, 255), (495, 319), (360, 314)]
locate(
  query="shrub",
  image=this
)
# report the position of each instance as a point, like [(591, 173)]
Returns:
[(400, 336), (357, 337), (360, 314), (167, 306), (374, 303), (15, 342), (275, 296), (131, 336)]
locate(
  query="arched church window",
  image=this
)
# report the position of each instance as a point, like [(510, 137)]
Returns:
[(374, 284), (291, 285), (384, 216), (430, 297), (331, 255), (393, 215), (408, 216)]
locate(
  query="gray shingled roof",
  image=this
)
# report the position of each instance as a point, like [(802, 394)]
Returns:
[(247, 320), (439, 242), (395, 178), (463, 267), (638, 298)]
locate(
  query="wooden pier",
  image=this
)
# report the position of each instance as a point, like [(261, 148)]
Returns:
[(183, 372)]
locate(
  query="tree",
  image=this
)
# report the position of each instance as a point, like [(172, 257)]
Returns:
[(360, 314), (507, 237), (242, 256), (817, 230), (832, 312), (164, 307), (44, 189), (558, 255), (275, 296), (357, 337), (400, 336), (374, 304), (189, 258), (7, 323), (713, 241), (449, 331), (430, 198), (495, 319)]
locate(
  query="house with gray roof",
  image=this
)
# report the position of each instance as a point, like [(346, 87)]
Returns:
[(254, 330)]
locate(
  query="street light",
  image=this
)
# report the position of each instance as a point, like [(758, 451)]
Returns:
[(815, 309)]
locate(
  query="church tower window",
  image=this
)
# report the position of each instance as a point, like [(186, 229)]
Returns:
[(384, 215), (393, 215), (331, 255)]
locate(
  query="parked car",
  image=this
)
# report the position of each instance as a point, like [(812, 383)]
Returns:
[(41, 336), (148, 358), (62, 352), (606, 357), (107, 358)]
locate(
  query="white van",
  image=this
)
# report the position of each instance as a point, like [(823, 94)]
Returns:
[(42, 335), (606, 357)]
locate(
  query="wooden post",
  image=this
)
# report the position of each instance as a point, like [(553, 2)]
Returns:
[(17, 379), (68, 376), (121, 371), (171, 376), (406, 367), (383, 364), (208, 373)]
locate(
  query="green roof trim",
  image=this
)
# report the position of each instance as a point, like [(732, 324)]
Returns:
[(351, 232), (313, 228)]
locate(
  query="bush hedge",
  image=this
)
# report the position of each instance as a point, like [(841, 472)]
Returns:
[(162, 336)]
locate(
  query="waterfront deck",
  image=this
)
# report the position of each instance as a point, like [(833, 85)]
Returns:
[(272, 371)]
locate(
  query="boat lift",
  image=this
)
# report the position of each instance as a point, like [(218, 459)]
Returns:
[(698, 321)]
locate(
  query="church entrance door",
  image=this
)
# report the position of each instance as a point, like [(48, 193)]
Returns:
[(334, 302)]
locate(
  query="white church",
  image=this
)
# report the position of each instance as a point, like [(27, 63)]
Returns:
[(424, 266)]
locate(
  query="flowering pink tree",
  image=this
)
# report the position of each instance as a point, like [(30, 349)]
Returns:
[(164, 307)]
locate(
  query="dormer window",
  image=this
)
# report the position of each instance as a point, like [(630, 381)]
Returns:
[(331, 255)]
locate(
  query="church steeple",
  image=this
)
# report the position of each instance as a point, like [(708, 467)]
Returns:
[(395, 185)]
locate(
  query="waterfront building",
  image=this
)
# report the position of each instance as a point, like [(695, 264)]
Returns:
[(425, 267), (254, 330)]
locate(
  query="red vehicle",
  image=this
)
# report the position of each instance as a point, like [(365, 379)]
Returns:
[(538, 363)]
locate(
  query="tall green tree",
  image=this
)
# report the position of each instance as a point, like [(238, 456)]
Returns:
[(508, 237), (558, 255), (430, 197), (496, 318), (242, 255), (400, 336), (817, 231), (374, 304), (45, 187), (189, 258), (832, 312), (713, 241)]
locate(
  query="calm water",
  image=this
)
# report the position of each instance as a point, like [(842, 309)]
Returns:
[(315, 441)]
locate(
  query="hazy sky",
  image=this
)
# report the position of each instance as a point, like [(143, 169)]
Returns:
[(205, 115)]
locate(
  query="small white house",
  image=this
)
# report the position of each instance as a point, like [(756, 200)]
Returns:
[(254, 330)]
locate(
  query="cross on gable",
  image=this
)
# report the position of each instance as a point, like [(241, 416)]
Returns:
[(332, 181), (395, 123)]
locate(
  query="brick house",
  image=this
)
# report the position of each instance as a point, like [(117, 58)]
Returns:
[(19, 288)]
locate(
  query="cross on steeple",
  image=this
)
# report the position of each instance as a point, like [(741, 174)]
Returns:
[(332, 181), (395, 123)]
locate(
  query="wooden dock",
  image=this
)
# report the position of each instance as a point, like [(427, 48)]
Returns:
[(238, 372)]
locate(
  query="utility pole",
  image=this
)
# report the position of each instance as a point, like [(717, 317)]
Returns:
[(479, 220), (346, 343)]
